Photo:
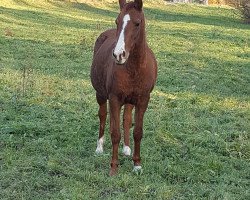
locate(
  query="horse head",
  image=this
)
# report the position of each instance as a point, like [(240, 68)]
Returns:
[(130, 22)]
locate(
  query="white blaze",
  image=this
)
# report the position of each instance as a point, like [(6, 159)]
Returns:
[(120, 46)]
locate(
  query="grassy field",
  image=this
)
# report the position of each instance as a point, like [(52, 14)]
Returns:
[(196, 143)]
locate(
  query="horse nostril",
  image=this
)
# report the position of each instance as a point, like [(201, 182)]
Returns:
[(123, 53), (114, 55)]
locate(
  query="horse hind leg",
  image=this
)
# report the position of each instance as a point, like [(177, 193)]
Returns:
[(102, 113), (127, 123)]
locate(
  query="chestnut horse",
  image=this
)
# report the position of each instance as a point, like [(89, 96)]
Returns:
[(123, 71)]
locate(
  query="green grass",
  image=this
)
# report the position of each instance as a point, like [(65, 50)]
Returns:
[(196, 143)]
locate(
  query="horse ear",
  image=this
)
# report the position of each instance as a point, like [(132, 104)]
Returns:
[(138, 4), (122, 3)]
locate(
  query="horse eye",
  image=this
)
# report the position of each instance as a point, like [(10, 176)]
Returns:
[(137, 24)]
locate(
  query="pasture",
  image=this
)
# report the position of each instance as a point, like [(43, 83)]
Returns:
[(196, 142)]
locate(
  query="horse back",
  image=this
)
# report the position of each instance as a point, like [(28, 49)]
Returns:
[(102, 60), (107, 35)]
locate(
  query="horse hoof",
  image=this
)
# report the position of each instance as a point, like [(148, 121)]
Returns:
[(137, 170), (126, 151), (113, 172), (99, 151)]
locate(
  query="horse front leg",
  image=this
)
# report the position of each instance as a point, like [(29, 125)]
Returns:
[(140, 109), (127, 123), (115, 109)]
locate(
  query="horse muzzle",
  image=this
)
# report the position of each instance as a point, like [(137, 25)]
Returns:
[(120, 57)]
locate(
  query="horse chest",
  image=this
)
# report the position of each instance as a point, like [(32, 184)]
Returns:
[(129, 87)]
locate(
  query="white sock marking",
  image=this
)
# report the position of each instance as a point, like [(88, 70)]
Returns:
[(126, 151), (120, 46), (99, 148), (137, 170)]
